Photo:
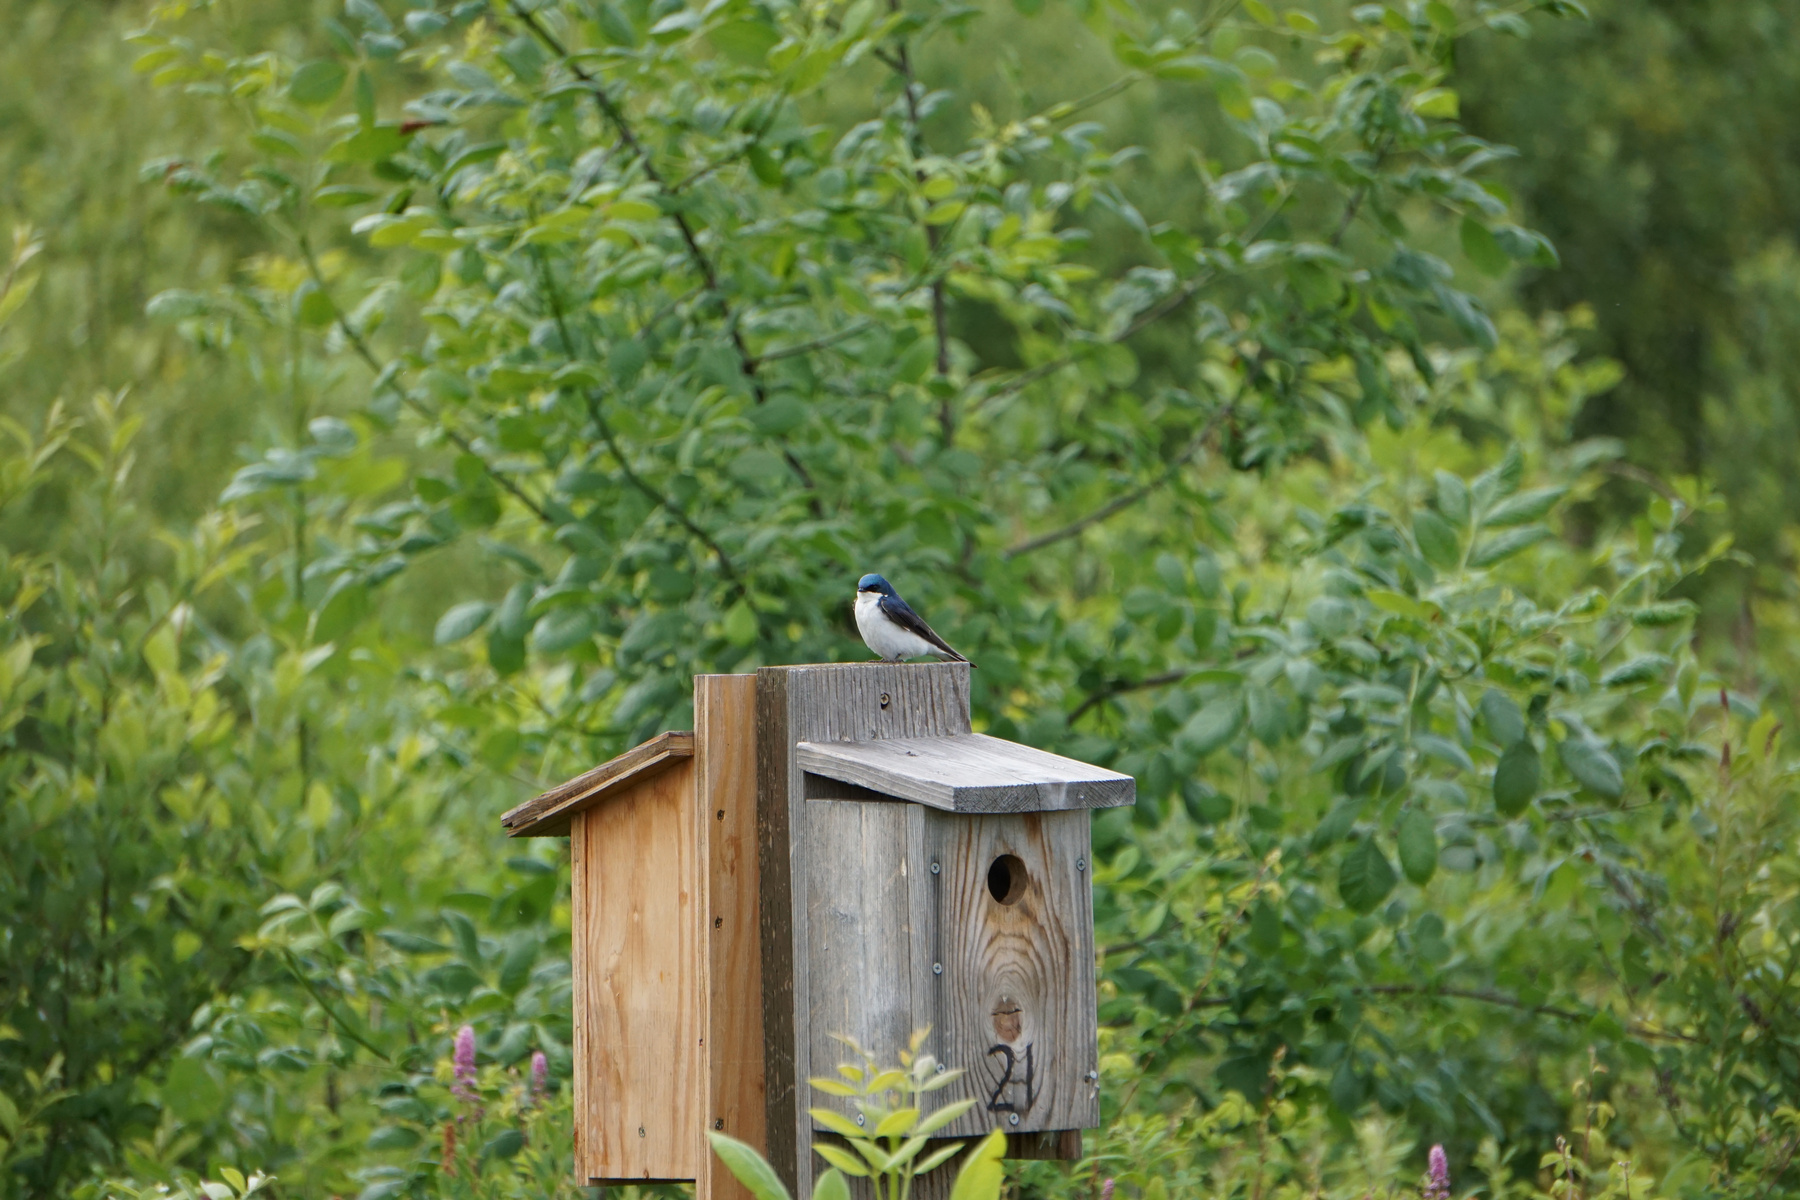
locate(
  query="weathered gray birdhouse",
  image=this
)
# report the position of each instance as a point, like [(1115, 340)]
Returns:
[(907, 873)]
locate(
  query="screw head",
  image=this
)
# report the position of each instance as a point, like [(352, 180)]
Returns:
[(1013, 1119), (885, 700), (640, 1131), (941, 1068), (937, 968), (719, 1123), (1081, 864), (859, 1118), (935, 868), (719, 816), (1092, 1077)]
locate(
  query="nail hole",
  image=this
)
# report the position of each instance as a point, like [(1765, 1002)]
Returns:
[(1007, 879), (718, 921), (719, 816)]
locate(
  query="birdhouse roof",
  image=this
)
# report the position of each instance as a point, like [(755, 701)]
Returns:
[(968, 773), (548, 815)]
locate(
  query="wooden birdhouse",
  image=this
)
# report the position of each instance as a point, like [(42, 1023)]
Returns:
[(833, 852)]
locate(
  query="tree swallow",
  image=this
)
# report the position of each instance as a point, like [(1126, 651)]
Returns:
[(892, 629)]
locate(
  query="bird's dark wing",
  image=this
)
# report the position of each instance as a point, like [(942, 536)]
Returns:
[(900, 613)]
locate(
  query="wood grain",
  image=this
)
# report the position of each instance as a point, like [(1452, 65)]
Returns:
[(827, 703), (725, 792), (971, 773), (1015, 1004), (549, 815), (637, 963)]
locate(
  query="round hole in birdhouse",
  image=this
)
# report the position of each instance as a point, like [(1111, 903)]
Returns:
[(1007, 879)]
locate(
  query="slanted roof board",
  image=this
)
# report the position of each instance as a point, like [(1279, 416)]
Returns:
[(968, 773), (548, 815)]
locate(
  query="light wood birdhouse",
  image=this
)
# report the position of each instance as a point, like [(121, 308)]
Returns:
[(833, 852)]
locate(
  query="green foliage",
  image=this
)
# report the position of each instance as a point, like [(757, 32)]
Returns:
[(888, 1139), (583, 346)]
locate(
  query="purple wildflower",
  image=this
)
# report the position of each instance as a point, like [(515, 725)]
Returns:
[(1106, 1190), (1437, 1179), (463, 1088), (540, 1076)]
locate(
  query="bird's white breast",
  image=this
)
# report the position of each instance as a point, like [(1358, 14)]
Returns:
[(883, 636)]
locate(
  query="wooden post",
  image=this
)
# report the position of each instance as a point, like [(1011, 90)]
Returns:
[(725, 790), (847, 702)]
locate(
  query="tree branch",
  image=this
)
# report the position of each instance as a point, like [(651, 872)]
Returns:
[(1121, 686), (613, 115), (901, 63), (654, 495), (1129, 498), (361, 346), (1504, 1001)]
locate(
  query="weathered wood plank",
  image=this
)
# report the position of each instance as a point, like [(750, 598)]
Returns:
[(637, 961), (1015, 1005), (860, 950), (825, 703), (970, 773), (725, 792), (548, 815)]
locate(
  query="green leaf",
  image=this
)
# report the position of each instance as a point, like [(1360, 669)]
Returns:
[(317, 82), (748, 1168), (1505, 723), (982, 1175), (1365, 877), (841, 1159), (941, 1117), (1482, 249), (1497, 549), (1592, 765), (1526, 506), (1645, 668), (1212, 726), (831, 1186), (1437, 540), (1671, 612), (1453, 499), (461, 621), (1516, 778), (392, 1137), (1418, 845)]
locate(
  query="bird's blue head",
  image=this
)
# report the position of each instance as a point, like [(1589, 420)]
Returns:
[(875, 583)]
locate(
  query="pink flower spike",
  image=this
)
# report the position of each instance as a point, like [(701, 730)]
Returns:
[(1106, 1190), (464, 1061), (1437, 1181), (540, 1075)]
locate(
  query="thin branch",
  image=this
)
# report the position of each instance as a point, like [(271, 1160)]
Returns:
[(654, 495), (1130, 498), (1505, 1001), (357, 343), (337, 1019), (901, 63), (1121, 686), (822, 342), (613, 115)]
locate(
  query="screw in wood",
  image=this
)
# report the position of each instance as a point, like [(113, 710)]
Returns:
[(937, 968), (640, 1131), (859, 1118), (1081, 864), (1013, 1119), (718, 921), (719, 1124), (935, 868), (885, 699), (719, 816)]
